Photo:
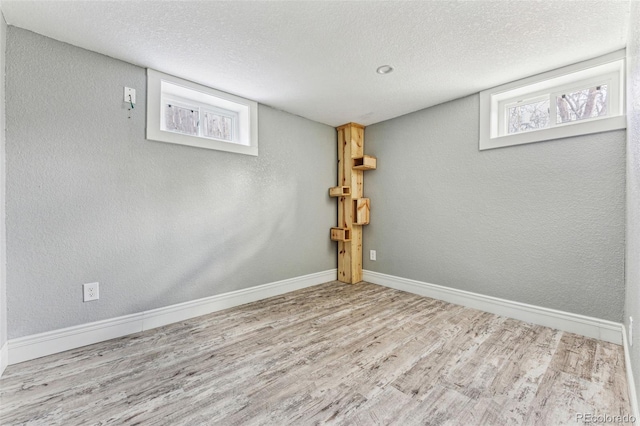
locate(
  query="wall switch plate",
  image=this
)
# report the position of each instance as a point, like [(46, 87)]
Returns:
[(129, 91), (630, 331), (372, 255), (91, 291)]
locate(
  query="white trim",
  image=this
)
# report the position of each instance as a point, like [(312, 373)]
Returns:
[(51, 342), (182, 311), (633, 396), (4, 357), (246, 139), (609, 67), (575, 128), (608, 331)]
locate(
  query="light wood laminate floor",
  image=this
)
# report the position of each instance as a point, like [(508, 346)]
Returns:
[(334, 353)]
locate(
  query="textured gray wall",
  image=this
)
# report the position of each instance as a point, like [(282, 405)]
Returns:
[(3, 242), (632, 305), (541, 223), (89, 199)]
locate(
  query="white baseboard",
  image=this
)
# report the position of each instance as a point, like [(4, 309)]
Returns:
[(182, 311), (608, 331), (4, 357), (633, 396), (51, 342)]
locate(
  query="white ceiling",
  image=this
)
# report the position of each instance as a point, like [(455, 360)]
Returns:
[(318, 59)]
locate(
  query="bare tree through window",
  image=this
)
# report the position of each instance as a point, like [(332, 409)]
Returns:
[(217, 126), (181, 120), (582, 104), (531, 116)]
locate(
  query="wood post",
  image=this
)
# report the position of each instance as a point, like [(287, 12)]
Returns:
[(353, 209)]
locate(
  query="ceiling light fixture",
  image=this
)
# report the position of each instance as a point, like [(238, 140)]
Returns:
[(384, 69)]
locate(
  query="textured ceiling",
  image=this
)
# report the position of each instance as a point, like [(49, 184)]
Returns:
[(318, 59)]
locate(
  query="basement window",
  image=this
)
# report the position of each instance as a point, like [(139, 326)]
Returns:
[(186, 113), (576, 100)]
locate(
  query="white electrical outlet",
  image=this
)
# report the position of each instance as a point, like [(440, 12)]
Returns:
[(130, 95), (630, 331), (372, 255), (91, 291)]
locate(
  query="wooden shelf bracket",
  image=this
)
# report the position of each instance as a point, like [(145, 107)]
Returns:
[(341, 234), (361, 208), (340, 191), (364, 162)]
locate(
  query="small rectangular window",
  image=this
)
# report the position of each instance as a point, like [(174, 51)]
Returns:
[(576, 100), (186, 113)]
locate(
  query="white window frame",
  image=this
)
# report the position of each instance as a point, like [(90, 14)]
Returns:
[(164, 88), (494, 103)]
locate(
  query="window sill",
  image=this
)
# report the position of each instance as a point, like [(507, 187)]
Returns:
[(247, 111), (575, 129)]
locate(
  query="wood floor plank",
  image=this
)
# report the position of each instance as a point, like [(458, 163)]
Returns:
[(382, 409), (575, 355), (328, 354), (583, 379), (609, 369), (471, 330), (443, 406)]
